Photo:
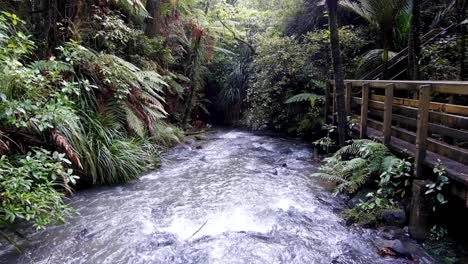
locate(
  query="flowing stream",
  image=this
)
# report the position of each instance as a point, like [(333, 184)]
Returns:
[(240, 198)]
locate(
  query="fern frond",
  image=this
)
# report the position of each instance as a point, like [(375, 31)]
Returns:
[(389, 162), (135, 123), (304, 97), (52, 65), (355, 164), (328, 177), (177, 88), (134, 7), (155, 114), (110, 58)]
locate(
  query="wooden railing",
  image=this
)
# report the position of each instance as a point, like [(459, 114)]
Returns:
[(396, 66), (440, 129)]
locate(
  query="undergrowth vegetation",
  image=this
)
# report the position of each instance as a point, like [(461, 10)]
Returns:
[(365, 163), (287, 66), (78, 118), (354, 165)]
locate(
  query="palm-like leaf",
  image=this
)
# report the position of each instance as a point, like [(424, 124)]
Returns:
[(385, 15), (371, 60), (380, 13), (304, 97), (134, 7)]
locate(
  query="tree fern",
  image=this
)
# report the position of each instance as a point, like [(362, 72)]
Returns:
[(142, 91), (51, 65), (354, 165), (133, 7), (304, 97), (135, 123)]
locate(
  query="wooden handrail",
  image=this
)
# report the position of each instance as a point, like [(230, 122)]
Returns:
[(401, 57), (440, 107), (444, 87), (421, 116)]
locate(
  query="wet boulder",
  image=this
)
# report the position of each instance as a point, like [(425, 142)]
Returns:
[(189, 142), (200, 137), (394, 217), (393, 232), (287, 151), (394, 248)]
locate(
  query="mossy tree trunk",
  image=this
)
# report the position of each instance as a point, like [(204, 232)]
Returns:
[(337, 69), (155, 22)]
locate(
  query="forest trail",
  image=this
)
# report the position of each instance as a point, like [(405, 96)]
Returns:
[(237, 198)]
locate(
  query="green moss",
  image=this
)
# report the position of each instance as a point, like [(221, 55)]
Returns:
[(442, 250), (363, 218)]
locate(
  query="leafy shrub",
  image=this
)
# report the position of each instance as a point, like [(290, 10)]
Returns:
[(287, 66), (279, 73), (436, 191), (97, 108), (107, 31), (440, 60), (119, 116), (104, 113), (29, 186)]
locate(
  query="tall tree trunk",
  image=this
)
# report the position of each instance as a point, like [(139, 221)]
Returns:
[(52, 28), (188, 108), (78, 17), (192, 72), (414, 45), (155, 22), (462, 6), (387, 46), (463, 53), (207, 7), (337, 69)]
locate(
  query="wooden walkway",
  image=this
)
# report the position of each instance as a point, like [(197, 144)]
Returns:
[(421, 128)]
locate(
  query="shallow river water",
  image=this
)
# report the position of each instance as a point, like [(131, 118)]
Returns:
[(241, 198)]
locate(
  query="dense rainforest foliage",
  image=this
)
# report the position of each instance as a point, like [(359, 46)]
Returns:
[(92, 91)]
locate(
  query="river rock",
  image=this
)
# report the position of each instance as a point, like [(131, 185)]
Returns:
[(287, 151), (394, 217), (190, 142), (393, 232), (200, 137), (395, 248)]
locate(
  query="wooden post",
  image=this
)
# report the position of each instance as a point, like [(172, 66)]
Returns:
[(420, 211), (422, 128), (387, 125), (364, 110), (349, 90), (327, 101)]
